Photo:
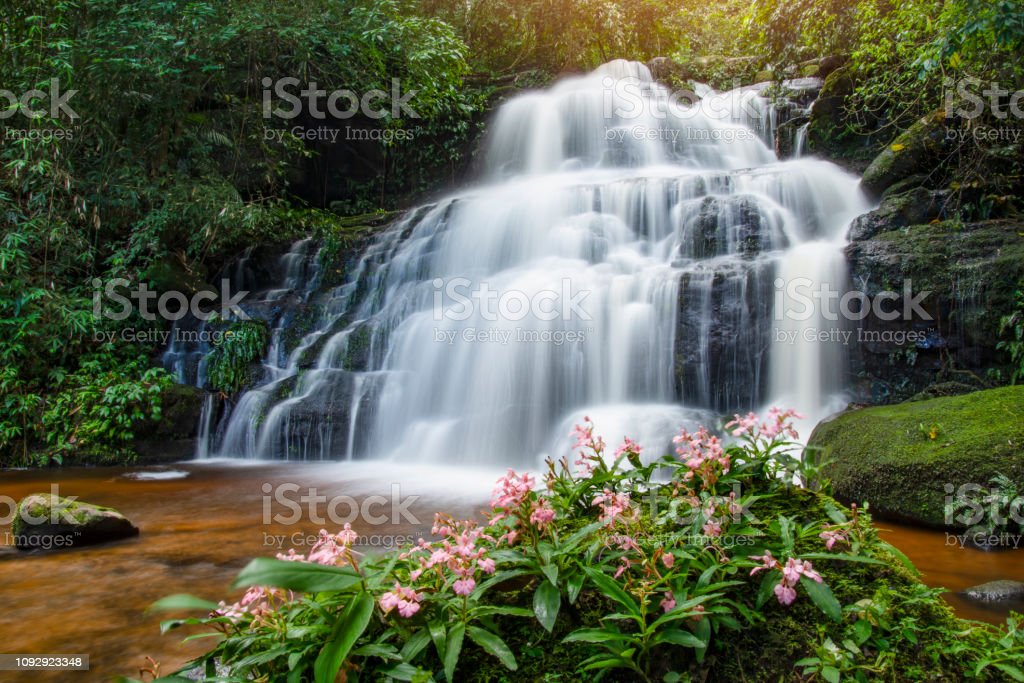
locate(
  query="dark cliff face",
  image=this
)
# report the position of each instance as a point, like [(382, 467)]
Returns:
[(969, 271)]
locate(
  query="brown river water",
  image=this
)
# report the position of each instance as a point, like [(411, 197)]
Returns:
[(198, 530)]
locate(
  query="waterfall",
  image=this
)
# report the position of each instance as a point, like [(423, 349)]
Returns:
[(619, 259)]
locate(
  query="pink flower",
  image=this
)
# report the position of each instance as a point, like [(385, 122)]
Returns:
[(405, 599), (408, 608), (511, 490), (713, 529), (831, 537), (542, 513), (464, 586), (613, 505), (785, 593), (668, 602), (628, 446), (668, 559), (486, 565), (768, 562)]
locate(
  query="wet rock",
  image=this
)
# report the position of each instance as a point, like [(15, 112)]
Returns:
[(913, 151), (966, 274), (996, 591), (44, 521), (913, 207), (172, 437), (829, 64)]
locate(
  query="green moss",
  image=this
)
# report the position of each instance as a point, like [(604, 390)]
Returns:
[(913, 151), (882, 456)]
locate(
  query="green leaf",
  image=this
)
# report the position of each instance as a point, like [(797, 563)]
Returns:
[(822, 596), (546, 602), (551, 572), (494, 645), (595, 635), (768, 583), (612, 590), (575, 585), (351, 624), (678, 636), (303, 577), (830, 674), (453, 648), (1011, 671), (182, 601)]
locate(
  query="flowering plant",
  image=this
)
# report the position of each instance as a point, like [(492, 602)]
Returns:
[(588, 556)]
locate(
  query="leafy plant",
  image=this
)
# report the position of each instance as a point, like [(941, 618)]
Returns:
[(241, 345)]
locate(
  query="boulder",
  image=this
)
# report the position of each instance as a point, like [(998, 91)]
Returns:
[(912, 207), (830, 63), (914, 151), (45, 521), (905, 459), (995, 591)]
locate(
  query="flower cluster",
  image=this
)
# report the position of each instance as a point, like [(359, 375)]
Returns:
[(259, 602), (406, 600), (585, 440), (459, 554), (703, 455), (785, 590), (330, 549), (777, 423), (834, 535), (614, 506), (513, 498), (511, 490)]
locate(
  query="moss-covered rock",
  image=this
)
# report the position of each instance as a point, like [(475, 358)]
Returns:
[(914, 151), (914, 206), (905, 459), (45, 521)]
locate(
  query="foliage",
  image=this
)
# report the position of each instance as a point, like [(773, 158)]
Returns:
[(229, 363), (1014, 346), (165, 156), (645, 591)]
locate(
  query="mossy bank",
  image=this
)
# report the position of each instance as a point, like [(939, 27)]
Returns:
[(905, 459)]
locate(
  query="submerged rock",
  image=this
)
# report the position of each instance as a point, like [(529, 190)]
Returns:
[(44, 521), (996, 591)]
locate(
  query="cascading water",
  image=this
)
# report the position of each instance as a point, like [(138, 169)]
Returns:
[(620, 261)]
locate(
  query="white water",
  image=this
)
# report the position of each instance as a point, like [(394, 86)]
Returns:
[(668, 225)]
